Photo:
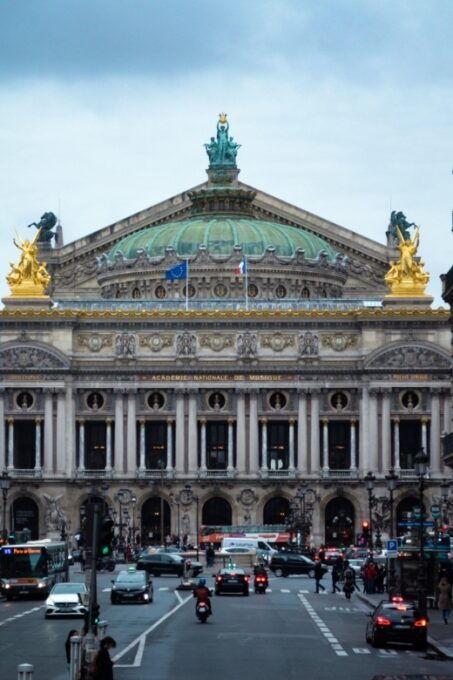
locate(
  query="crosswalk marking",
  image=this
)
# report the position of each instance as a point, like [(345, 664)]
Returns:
[(164, 588), (330, 638), (361, 650), (284, 590), (106, 590), (388, 652)]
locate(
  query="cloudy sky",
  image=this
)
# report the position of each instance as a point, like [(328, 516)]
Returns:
[(343, 107)]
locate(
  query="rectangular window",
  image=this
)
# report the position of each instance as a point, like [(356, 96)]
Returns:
[(24, 444), (155, 445), (278, 445), (216, 445), (339, 444), (95, 444)]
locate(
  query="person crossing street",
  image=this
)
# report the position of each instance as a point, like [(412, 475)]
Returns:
[(319, 573)]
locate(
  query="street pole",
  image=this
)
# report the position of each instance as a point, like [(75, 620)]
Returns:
[(162, 540), (370, 479), (421, 466), (5, 483), (392, 480), (198, 529), (93, 584)]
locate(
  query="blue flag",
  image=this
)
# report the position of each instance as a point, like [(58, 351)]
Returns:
[(179, 271)]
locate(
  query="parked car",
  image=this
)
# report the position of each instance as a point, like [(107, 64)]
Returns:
[(285, 564), (67, 599), (167, 563), (232, 581), (132, 585), (397, 622)]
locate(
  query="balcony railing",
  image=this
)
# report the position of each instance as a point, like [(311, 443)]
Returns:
[(155, 473), (410, 474), (339, 474), (25, 474), (280, 473), (94, 474)]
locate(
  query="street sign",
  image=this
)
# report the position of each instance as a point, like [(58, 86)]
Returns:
[(426, 523), (392, 548), (435, 511)]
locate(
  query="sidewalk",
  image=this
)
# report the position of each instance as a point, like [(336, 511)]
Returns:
[(441, 635)]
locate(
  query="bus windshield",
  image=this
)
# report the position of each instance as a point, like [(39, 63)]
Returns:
[(23, 562)]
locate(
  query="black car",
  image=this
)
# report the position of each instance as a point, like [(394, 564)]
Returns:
[(285, 564), (232, 581), (397, 622), (167, 563), (132, 586)]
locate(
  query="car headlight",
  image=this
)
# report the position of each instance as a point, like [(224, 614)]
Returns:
[(6, 586), (41, 584), (50, 602), (146, 596)]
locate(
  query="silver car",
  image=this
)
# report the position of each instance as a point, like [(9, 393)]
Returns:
[(67, 599)]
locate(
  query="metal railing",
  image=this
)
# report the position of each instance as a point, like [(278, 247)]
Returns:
[(340, 474)]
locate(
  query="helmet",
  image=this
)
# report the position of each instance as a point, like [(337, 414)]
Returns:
[(202, 582)]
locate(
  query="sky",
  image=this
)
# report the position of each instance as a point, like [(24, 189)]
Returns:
[(342, 107)]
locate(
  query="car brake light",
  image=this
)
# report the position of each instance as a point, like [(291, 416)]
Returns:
[(218, 579), (382, 621), (397, 598), (246, 578), (421, 623)]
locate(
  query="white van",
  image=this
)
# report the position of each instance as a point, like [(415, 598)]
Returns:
[(262, 547)]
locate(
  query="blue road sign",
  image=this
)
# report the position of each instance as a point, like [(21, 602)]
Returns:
[(426, 523), (392, 544)]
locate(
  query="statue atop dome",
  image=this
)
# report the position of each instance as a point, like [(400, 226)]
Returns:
[(222, 149)]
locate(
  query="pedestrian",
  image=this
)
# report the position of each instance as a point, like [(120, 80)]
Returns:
[(380, 578), (103, 665), (349, 581), (335, 578), (444, 598), (319, 573), (67, 645), (369, 573)]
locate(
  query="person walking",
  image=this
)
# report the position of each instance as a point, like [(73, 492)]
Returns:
[(349, 581), (319, 573), (103, 665), (335, 578), (444, 598)]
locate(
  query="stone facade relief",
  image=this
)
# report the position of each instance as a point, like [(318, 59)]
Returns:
[(156, 341), (247, 345), (24, 357), (410, 357), (55, 518), (308, 344), (278, 341), (125, 346), (216, 341), (186, 344), (95, 342), (339, 341)]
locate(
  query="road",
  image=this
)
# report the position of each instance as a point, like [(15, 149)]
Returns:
[(263, 636)]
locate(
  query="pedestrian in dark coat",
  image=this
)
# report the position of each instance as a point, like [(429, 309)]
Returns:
[(319, 573), (335, 578), (103, 665)]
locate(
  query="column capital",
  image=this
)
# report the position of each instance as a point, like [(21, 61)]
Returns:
[(141, 421), (108, 421), (353, 421), (292, 421), (10, 420), (81, 421), (170, 421), (263, 421), (396, 419), (325, 421), (231, 421), (425, 420), (38, 420), (202, 421)]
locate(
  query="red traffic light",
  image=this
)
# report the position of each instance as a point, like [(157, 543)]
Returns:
[(365, 524)]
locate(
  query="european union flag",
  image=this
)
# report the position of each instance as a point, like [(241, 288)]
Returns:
[(179, 271)]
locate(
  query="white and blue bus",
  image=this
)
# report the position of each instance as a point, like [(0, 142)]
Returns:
[(32, 568)]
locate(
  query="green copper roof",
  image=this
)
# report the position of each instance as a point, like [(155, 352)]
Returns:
[(219, 235)]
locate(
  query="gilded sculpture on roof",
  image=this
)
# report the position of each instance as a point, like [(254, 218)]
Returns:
[(28, 278), (406, 276)]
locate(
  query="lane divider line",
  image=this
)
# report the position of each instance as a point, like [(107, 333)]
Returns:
[(323, 628)]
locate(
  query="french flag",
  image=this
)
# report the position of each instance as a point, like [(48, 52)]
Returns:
[(241, 269)]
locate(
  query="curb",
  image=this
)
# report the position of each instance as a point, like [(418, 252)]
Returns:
[(444, 651)]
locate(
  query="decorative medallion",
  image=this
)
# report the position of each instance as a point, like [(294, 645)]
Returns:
[(277, 341), (339, 341), (216, 341), (96, 341), (155, 342)]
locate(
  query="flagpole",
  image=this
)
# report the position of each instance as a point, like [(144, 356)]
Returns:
[(187, 284), (246, 284)]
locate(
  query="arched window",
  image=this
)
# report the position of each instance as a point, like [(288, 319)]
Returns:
[(339, 522), (276, 510), (25, 515), (216, 511), (151, 521)]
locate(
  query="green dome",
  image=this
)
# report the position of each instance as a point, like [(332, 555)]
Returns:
[(219, 235)]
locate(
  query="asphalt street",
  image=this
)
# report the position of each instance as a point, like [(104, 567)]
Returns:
[(288, 633)]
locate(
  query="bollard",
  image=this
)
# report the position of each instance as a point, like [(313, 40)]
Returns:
[(25, 671), (102, 629), (90, 648), (75, 662)]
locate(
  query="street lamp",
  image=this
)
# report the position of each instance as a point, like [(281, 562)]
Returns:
[(369, 480), (5, 484), (392, 481), (191, 497), (421, 466)]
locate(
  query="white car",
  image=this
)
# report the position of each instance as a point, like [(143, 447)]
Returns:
[(67, 599), (356, 565)]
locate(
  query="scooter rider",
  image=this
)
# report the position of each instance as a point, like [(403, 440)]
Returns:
[(203, 594)]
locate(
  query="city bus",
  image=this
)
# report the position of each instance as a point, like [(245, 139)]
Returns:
[(32, 568), (272, 533)]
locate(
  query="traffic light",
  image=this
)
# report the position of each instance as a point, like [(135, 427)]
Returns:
[(365, 531), (106, 537)]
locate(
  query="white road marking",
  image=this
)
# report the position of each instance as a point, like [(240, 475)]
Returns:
[(361, 650), (388, 652), (106, 590), (141, 639), (284, 590), (304, 592), (331, 639), (164, 588), (19, 616)]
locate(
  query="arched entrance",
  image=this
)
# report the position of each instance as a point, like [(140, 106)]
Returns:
[(216, 511), (25, 515), (339, 518), (151, 520), (276, 510), (405, 513)]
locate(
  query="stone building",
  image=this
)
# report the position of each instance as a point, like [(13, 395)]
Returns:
[(216, 351)]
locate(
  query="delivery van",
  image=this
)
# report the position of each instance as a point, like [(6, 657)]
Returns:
[(262, 547)]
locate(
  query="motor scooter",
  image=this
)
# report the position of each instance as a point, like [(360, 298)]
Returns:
[(260, 583), (202, 611)]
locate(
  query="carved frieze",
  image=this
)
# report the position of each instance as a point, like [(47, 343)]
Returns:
[(95, 341), (155, 341), (125, 345), (247, 345), (278, 341), (186, 344), (411, 356), (216, 341), (339, 341), (308, 344), (24, 357)]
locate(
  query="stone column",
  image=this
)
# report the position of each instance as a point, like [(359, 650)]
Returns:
[(302, 448), (169, 446), (396, 445), (264, 464), (314, 434), (386, 433), (119, 432), (240, 434), (48, 433), (325, 445), (203, 461), (141, 446), (447, 422), (364, 436), (373, 431), (10, 443), (3, 463), (434, 440), (230, 466), (193, 434), (108, 446), (180, 434), (38, 444), (425, 434), (253, 435), (291, 466), (70, 431), (353, 445), (81, 445), (61, 432), (131, 434)]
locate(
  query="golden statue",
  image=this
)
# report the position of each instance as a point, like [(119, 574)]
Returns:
[(28, 278), (406, 277)]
